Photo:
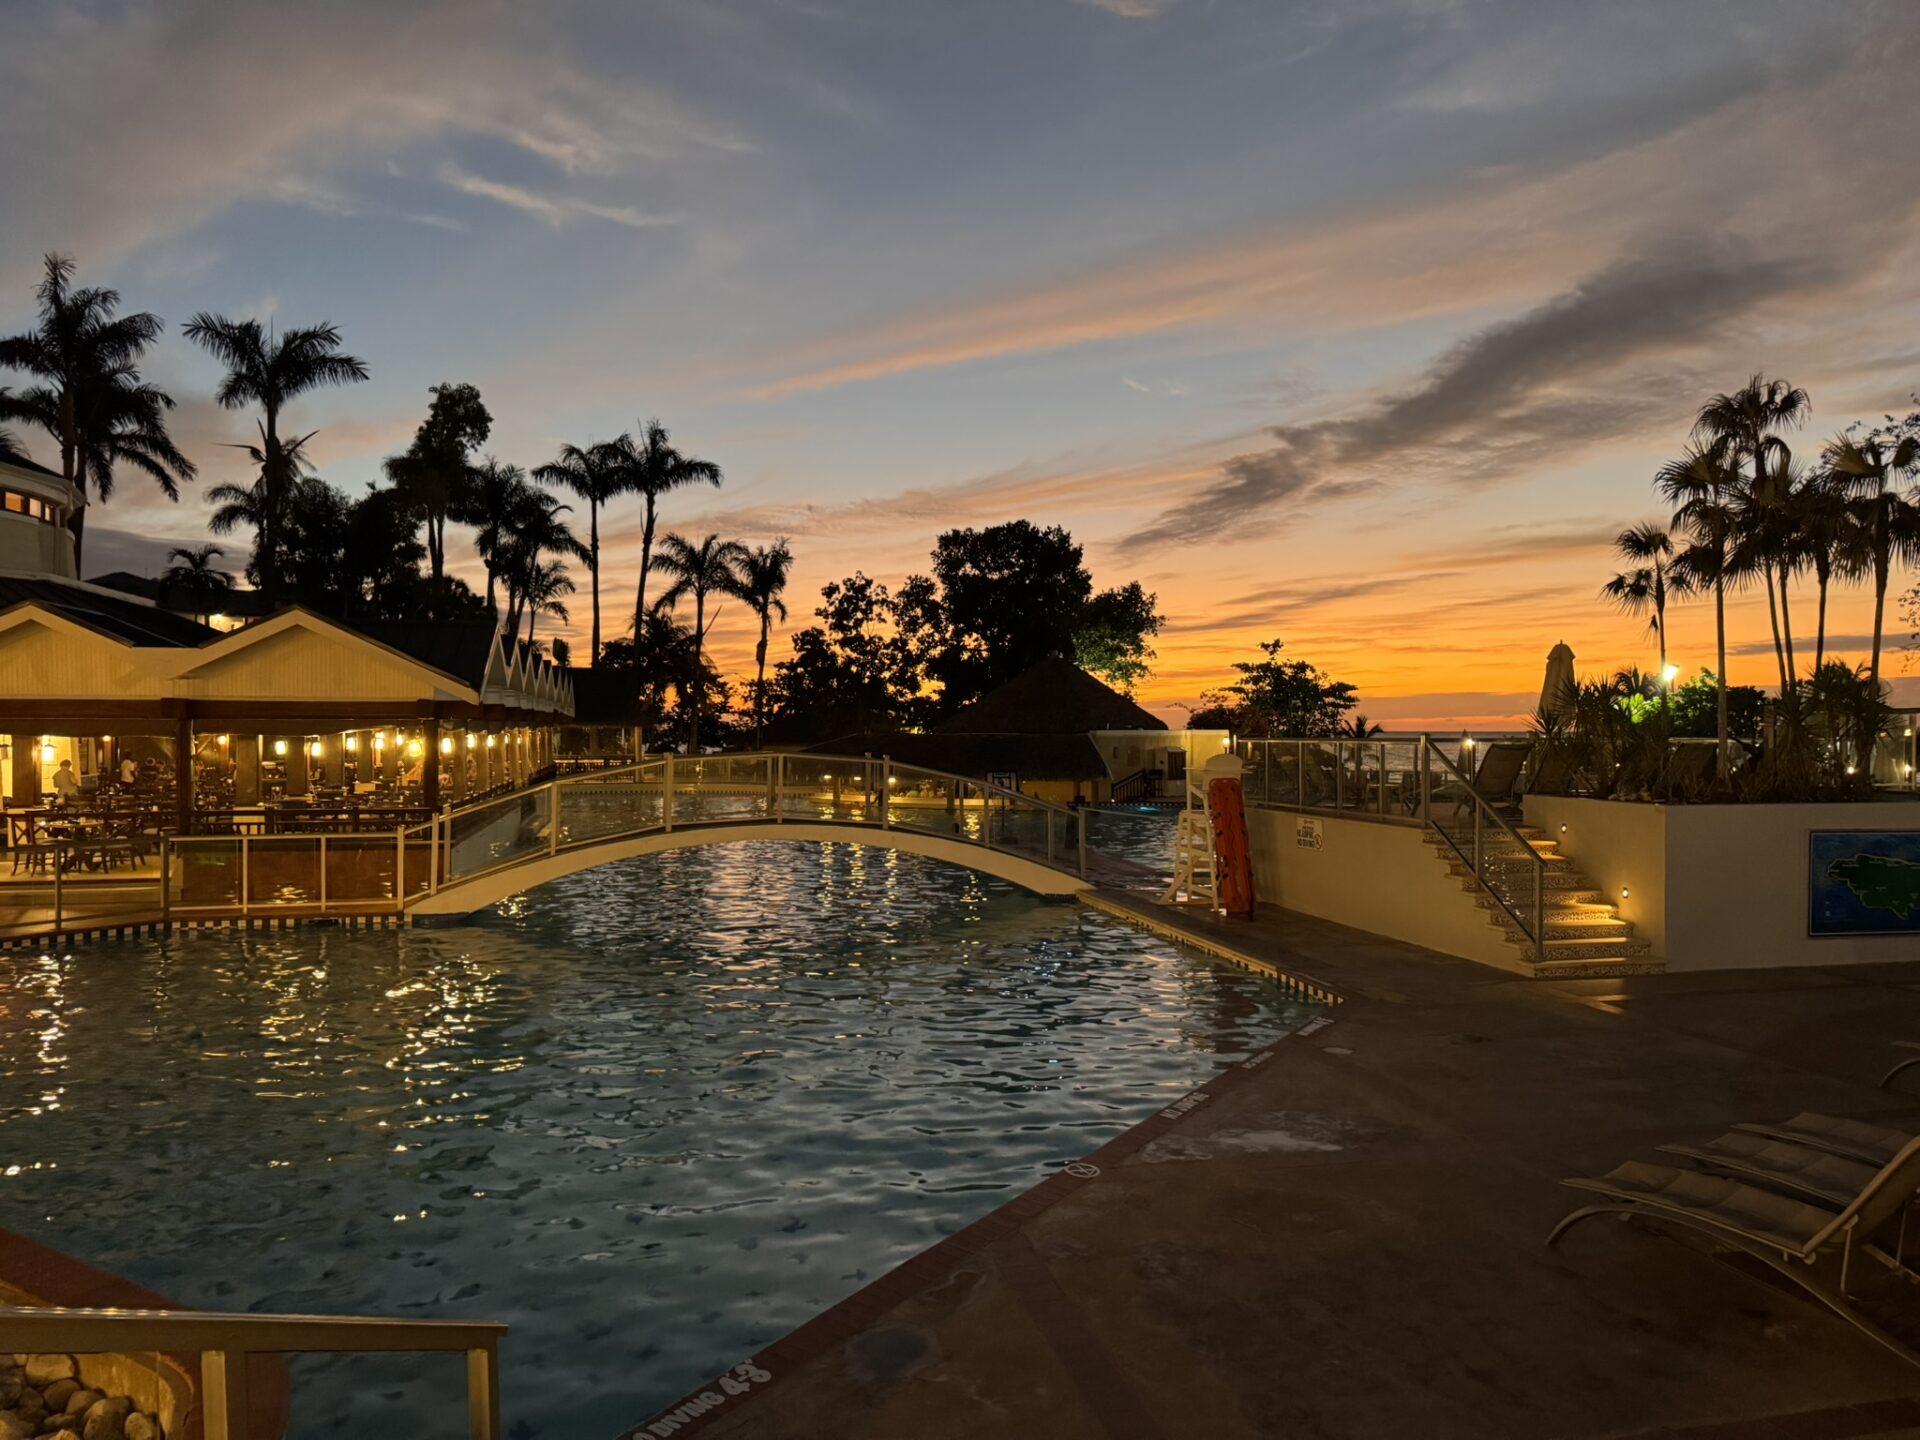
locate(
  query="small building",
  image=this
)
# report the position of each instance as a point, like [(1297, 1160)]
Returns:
[(229, 611), (293, 721), (1056, 733)]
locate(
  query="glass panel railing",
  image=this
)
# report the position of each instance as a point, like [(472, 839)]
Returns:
[(927, 802), (283, 870), (831, 788), (358, 871), (495, 833), (627, 801), (204, 873), (716, 789)]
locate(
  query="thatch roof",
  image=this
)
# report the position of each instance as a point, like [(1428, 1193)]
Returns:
[(1055, 697)]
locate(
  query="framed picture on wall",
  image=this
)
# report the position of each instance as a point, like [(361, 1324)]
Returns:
[(1863, 882)]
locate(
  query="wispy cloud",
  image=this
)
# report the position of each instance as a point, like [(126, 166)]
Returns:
[(1130, 9), (555, 210), (313, 195)]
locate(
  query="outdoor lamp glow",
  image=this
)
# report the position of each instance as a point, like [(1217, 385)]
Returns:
[(489, 742), (1669, 675), (1466, 742), (46, 754), (314, 750), (380, 740), (353, 744), (446, 745), (413, 747), (279, 747), (472, 740)]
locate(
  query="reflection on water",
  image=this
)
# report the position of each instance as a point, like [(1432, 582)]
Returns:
[(653, 1116)]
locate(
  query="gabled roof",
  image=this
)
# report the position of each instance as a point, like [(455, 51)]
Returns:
[(457, 648), (20, 462), (125, 620), (1054, 697)]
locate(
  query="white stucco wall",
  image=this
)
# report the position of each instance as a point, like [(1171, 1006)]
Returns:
[(1719, 886), (1378, 877)]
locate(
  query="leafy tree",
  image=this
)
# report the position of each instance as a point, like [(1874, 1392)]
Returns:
[(269, 370), (709, 569), (1887, 521), (1694, 707), (849, 674), (434, 474), (90, 399), (1275, 697), (1003, 598)]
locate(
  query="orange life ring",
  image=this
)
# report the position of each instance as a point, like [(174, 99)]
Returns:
[(1232, 859)]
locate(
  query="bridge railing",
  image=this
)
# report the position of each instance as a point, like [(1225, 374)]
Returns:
[(362, 873)]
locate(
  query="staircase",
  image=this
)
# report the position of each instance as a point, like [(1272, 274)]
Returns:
[(1584, 933)]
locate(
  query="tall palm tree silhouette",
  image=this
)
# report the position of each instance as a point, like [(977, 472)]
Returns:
[(90, 399), (1888, 522), (710, 568), (268, 370), (1645, 589), (650, 467), (596, 474), (194, 576), (1704, 487), (763, 575)]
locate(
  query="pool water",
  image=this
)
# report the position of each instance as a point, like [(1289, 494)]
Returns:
[(652, 1116)]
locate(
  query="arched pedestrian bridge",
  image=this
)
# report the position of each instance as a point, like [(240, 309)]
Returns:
[(480, 855)]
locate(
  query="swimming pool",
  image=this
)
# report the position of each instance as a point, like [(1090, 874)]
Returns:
[(653, 1116)]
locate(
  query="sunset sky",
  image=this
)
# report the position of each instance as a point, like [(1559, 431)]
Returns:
[(1358, 322)]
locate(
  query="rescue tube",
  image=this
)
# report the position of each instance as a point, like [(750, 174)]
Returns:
[(1233, 861)]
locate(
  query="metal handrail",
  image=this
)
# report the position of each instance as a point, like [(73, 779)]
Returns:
[(1536, 931), (224, 1342)]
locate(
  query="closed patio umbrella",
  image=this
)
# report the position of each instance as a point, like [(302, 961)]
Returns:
[(1556, 691)]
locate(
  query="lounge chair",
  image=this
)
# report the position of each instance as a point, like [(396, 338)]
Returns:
[(1905, 1064), (1791, 1236), (1855, 1139), (1819, 1176), (1499, 772)]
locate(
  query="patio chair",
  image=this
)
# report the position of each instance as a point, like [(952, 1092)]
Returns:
[(1790, 1236), (1818, 1176), (1494, 781)]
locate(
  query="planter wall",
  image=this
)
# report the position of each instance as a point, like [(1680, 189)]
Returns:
[(1718, 887)]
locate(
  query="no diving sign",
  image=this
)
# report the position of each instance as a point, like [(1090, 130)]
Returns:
[(1307, 833)]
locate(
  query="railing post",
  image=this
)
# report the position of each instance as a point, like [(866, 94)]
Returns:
[(1381, 768), (553, 817), (779, 789), (483, 1394), (1049, 815), (1299, 774), (323, 870), (59, 897), (166, 881), (1539, 906), (1426, 784), (1339, 775), (886, 792), (1080, 839), (1477, 867), (246, 871), (223, 1395), (400, 871), (666, 795)]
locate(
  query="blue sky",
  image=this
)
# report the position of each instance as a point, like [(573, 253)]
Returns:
[(1361, 323)]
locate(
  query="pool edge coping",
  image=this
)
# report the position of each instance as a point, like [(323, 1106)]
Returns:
[(840, 1322)]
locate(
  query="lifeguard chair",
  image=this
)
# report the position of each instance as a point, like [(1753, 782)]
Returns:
[(1196, 872)]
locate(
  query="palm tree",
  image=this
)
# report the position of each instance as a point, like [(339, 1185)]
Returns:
[(1826, 540), (194, 576), (1889, 523), (541, 588), (650, 467), (1645, 589), (596, 474), (237, 505), (496, 497), (269, 370), (710, 568), (1702, 485), (91, 400), (1747, 424), (533, 531), (763, 579)]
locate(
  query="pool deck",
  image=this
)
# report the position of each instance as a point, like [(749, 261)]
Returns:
[(1345, 1239)]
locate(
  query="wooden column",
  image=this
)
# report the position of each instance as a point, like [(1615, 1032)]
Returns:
[(183, 776), (24, 787), (333, 760), (431, 759), (246, 769), (296, 765)]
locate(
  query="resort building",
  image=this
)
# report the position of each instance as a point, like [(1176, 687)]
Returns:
[(1056, 733), (35, 504), (114, 707)]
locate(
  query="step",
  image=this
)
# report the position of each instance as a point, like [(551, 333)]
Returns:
[(1569, 899), (1605, 927), (1520, 877), (1591, 968), (1600, 949)]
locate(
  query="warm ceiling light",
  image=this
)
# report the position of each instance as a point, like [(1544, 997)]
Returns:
[(446, 745), (314, 750), (489, 742), (225, 738), (46, 754), (353, 744), (279, 747), (472, 740)]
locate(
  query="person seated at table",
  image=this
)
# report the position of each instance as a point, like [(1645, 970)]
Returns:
[(129, 770), (66, 784)]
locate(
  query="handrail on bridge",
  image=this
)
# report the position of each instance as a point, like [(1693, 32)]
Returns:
[(224, 1342), (1402, 779)]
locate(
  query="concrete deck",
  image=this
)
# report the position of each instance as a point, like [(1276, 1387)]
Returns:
[(1346, 1240)]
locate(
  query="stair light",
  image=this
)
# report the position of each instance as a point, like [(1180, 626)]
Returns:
[(1623, 892)]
